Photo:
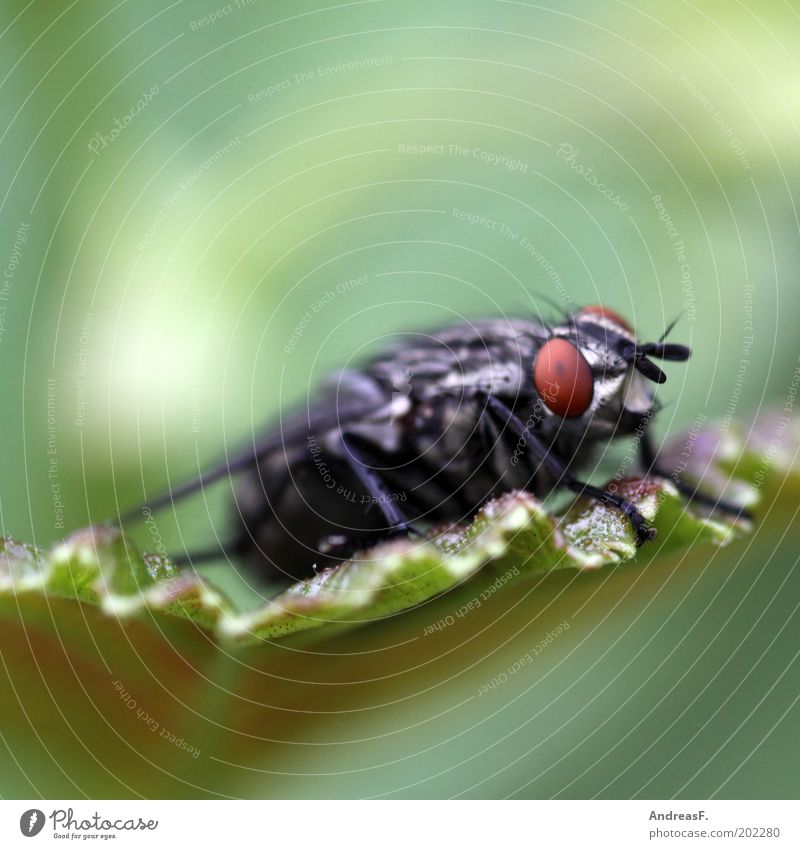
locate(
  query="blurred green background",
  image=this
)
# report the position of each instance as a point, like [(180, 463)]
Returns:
[(182, 183)]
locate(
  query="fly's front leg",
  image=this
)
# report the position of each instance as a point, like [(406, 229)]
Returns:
[(540, 453), (651, 466), (643, 530), (537, 451)]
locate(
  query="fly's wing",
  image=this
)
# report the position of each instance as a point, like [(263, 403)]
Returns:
[(418, 366), (353, 401)]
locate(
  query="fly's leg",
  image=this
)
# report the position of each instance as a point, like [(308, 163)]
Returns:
[(377, 489), (205, 555), (540, 453), (537, 451), (650, 462), (643, 530)]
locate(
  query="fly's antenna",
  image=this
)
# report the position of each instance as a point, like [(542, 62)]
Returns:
[(665, 351), (649, 369)]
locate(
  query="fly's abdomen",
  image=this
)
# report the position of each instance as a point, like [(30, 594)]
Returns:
[(305, 512)]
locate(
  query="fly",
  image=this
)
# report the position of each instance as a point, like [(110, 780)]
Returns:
[(434, 427)]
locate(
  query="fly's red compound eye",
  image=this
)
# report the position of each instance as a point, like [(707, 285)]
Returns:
[(611, 315), (563, 378)]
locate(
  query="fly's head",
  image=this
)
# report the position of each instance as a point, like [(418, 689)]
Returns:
[(594, 375)]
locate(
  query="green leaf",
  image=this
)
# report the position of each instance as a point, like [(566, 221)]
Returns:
[(512, 537)]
